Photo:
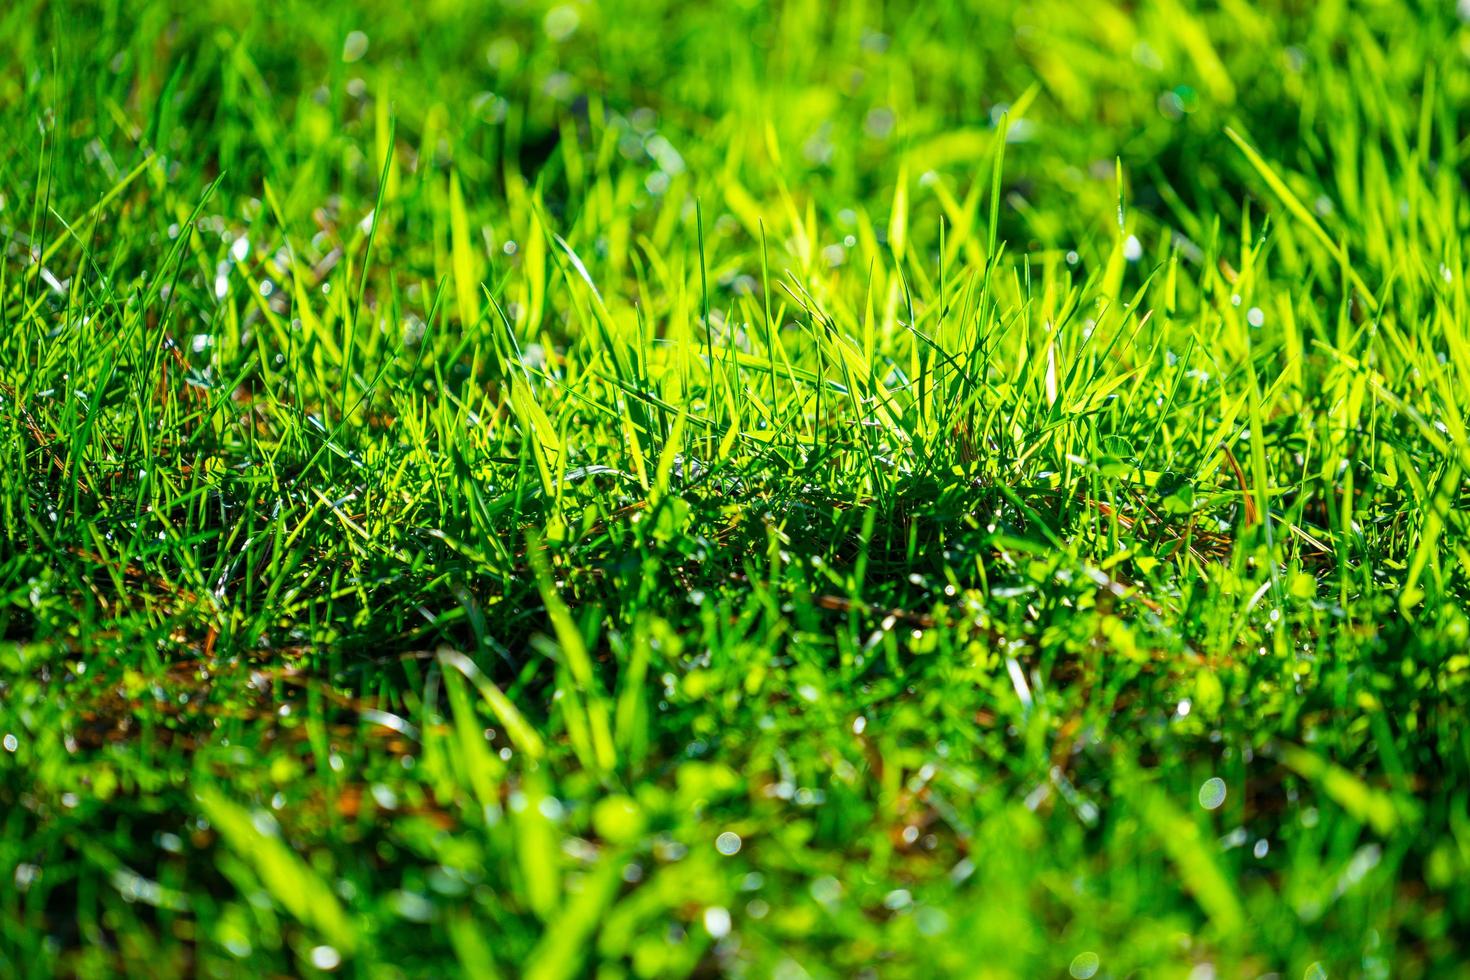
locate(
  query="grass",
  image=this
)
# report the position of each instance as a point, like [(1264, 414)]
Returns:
[(639, 490)]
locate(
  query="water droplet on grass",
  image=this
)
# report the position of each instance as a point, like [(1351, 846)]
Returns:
[(1085, 965), (728, 843), (25, 875), (717, 921), (355, 46), (1212, 793), (325, 958)]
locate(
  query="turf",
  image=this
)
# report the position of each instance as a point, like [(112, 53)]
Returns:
[(640, 489)]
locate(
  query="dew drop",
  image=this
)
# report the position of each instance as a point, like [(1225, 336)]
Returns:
[(1212, 793)]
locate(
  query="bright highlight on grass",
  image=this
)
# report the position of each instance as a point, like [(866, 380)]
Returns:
[(620, 489)]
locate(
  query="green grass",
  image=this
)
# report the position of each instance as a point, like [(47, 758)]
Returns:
[(638, 489)]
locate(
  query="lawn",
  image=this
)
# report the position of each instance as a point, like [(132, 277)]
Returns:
[(636, 489)]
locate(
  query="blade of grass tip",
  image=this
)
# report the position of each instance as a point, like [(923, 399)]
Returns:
[(568, 636), (898, 220), (517, 729), (362, 278), (575, 656), (943, 283), (771, 336), (544, 442), (510, 333), (40, 205), (483, 769), (1118, 184), (709, 335), (1434, 521), (996, 170), (156, 287), (600, 314), (1301, 213), (95, 209), (576, 261), (462, 250)]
